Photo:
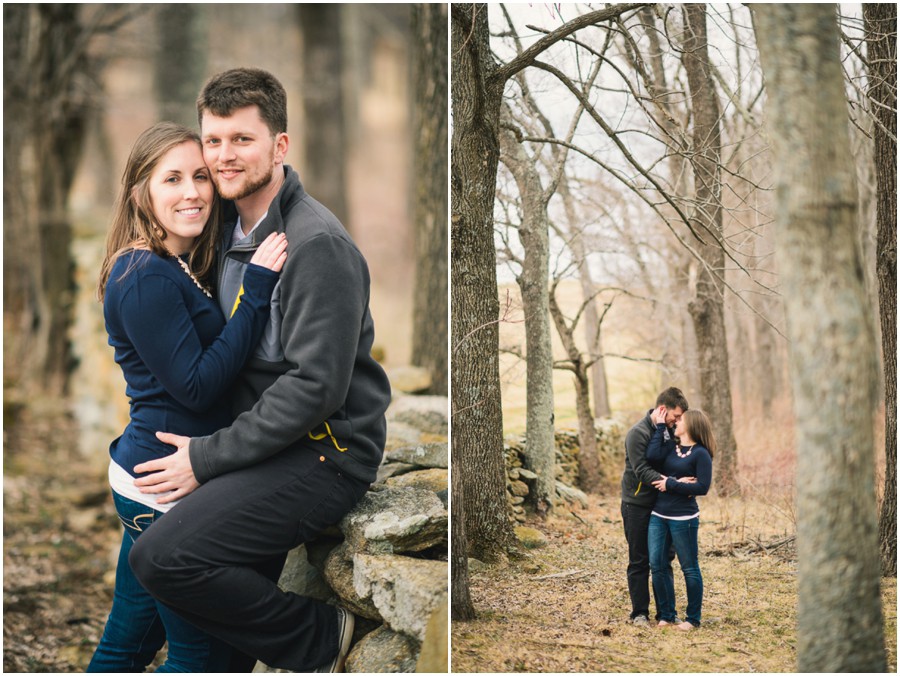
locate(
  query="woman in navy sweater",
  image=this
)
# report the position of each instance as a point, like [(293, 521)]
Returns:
[(179, 358), (675, 519)]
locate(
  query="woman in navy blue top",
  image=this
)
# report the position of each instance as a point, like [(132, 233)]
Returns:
[(178, 356), (675, 519)]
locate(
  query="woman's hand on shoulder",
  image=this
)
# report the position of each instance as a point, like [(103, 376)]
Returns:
[(272, 253)]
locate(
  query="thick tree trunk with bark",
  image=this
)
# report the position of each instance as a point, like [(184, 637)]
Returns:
[(324, 175), (881, 37), (833, 365), (477, 418), (429, 66), (534, 234), (707, 307), (461, 607)]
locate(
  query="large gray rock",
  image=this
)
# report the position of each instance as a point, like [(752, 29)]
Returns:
[(423, 455), (410, 379), (433, 479), (339, 573), (406, 591), (425, 413), (389, 469), (302, 577), (384, 651), (396, 520)]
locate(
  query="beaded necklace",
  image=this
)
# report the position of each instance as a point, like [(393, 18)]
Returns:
[(187, 269)]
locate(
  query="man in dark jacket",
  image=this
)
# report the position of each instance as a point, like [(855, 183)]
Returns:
[(309, 428), (638, 497)]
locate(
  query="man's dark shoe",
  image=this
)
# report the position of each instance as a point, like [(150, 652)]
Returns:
[(345, 634)]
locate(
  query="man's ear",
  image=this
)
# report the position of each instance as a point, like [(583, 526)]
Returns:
[(282, 143)]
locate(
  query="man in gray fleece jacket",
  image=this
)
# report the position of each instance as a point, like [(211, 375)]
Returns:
[(309, 427), (638, 498)]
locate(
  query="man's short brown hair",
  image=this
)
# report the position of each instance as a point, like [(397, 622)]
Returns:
[(241, 87), (672, 397)]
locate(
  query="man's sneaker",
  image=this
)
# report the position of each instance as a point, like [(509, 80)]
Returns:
[(641, 621), (345, 634)]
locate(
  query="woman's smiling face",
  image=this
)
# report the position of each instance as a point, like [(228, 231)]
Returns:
[(181, 195)]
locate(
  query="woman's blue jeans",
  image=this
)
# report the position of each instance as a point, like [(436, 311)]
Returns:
[(138, 625), (683, 534)]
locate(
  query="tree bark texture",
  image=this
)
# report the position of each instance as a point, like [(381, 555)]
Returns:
[(832, 342), (429, 67), (50, 88), (534, 234), (461, 607), (180, 63), (707, 307), (477, 418), (325, 159), (881, 38)]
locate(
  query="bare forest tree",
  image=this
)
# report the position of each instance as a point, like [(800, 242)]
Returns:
[(180, 62), (832, 340), (51, 85), (534, 234), (476, 93), (323, 105), (881, 38), (707, 305), (428, 55)]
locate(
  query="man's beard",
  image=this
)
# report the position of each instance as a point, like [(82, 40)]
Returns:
[(247, 189)]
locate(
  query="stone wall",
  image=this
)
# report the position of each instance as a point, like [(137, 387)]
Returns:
[(387, 559), (610, 449)]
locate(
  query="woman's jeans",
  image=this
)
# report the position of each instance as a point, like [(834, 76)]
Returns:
[(664, 533), (138, 625)]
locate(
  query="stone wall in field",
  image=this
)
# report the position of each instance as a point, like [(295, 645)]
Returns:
[(610, 449)]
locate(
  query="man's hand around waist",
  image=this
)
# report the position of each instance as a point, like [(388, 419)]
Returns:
[(172, 473)]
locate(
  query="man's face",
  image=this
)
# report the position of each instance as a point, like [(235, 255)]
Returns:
[(240, 151), (673, 415)]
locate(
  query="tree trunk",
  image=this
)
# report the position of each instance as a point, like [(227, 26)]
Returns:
[(429, 66), (461, 607), (534, 234), (48, 97), (832, 343), (324, 175), (707, 307), (590, 476), (477, 418), (180, 63), (881, 37)]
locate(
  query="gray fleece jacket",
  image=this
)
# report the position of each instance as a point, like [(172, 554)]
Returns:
[(638, 476), (312, 381)]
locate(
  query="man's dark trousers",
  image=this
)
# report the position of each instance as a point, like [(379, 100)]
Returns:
[(208, 557), (636, 519)]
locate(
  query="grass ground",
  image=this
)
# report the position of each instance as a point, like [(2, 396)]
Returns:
[(565, 607)]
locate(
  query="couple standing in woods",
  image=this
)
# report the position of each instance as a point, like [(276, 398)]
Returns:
[(237, 306), (668, 462)]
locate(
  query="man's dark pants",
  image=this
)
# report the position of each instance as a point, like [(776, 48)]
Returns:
[(215, 556), (636, 519)]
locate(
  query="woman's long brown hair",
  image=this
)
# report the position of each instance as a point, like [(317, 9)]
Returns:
[(134, 225), (699, 428)]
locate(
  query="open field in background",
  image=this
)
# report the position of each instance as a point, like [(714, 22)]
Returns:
[(631, 383), (565, 607)]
